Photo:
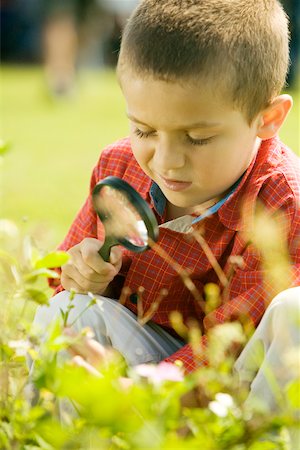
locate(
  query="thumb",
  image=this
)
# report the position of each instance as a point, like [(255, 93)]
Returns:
[(116, 257)]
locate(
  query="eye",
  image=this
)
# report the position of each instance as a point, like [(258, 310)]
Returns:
[(143, 134), (199, 141)]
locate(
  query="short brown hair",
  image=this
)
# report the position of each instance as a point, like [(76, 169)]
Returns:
[(243, 43)]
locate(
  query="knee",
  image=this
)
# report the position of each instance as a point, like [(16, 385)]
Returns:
[(285, 308), (63, 299), (288, 299), (59, 304)]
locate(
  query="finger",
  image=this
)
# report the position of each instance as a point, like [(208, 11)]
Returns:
[(81, 287), (91, 257), (94, 286), (76, 259), (116, 257), (80, 362), (89, 273), (89, 349), (69, 284)]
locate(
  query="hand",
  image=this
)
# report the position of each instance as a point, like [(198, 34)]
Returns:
[(91, 355), (87, 352), (86, 271)]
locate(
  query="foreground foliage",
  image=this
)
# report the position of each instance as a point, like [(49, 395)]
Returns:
[(74, 409)]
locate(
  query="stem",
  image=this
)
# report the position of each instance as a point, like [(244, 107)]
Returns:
[(126, 291), (92, 302), (181, 272), (140, 309), (153, 308), (211, 257), (23, 309)]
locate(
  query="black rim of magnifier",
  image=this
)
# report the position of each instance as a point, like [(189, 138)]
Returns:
[(139, 204)]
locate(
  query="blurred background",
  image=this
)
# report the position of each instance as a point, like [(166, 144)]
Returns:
[(61, 104)]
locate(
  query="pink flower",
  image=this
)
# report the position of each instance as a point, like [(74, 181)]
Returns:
[(161, 372)]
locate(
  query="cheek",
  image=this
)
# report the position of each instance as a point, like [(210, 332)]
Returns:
[(141, 151), (203, 160), (221, 160), (232, 160)]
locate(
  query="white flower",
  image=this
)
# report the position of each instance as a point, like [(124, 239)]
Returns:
[(222, 405), (21, 346), (225, 399), (9, 228), (218, 409)]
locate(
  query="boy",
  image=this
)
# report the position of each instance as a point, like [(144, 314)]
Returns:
[(201, 80)]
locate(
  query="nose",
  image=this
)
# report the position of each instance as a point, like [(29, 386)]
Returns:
[(168, 155)]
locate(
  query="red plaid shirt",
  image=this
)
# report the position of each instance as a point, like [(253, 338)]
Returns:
[(273, 177)]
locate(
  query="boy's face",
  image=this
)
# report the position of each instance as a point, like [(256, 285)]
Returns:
[(187, 137)]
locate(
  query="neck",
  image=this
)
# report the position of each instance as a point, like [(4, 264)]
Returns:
[(200, 209), (173, 212)]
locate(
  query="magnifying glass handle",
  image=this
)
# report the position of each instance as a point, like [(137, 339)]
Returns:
[(104, 251)]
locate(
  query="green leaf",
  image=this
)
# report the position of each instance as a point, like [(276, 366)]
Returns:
[(293, 393), (263, 445), (32, 276), (63, 315), (37, 296), (52, 260), (4, 146), (5, 352)]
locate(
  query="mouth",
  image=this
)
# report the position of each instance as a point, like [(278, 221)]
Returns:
[(175, 185)]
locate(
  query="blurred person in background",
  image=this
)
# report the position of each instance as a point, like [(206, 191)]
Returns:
[(292, 8), (72, 28), (60, 41), (61, 30)]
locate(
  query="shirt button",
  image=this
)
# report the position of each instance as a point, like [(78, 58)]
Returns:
[(134, 298)]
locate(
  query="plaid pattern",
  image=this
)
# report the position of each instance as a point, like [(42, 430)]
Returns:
[(273, 178)]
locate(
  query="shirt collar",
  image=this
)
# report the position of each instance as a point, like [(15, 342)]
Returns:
[(158, 199)]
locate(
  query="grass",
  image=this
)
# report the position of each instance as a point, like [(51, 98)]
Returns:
[(55, 144)]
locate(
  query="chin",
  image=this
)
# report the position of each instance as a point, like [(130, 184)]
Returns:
[(180, 202)]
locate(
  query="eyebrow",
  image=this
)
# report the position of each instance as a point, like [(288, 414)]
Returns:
[(202, 124)]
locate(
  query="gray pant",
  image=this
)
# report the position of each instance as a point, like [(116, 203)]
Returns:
[(113, 325), (268, 362)]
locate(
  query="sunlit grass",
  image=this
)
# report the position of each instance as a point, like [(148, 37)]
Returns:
[(55, 144)]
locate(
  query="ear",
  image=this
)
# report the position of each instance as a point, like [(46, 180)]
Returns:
[(273, 116)]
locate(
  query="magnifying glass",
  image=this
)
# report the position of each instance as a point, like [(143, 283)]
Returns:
[(125, 215)]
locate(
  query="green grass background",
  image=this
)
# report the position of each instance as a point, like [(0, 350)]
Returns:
[(55, 144)]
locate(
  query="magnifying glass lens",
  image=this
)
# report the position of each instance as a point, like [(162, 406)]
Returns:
[(120, 217)]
